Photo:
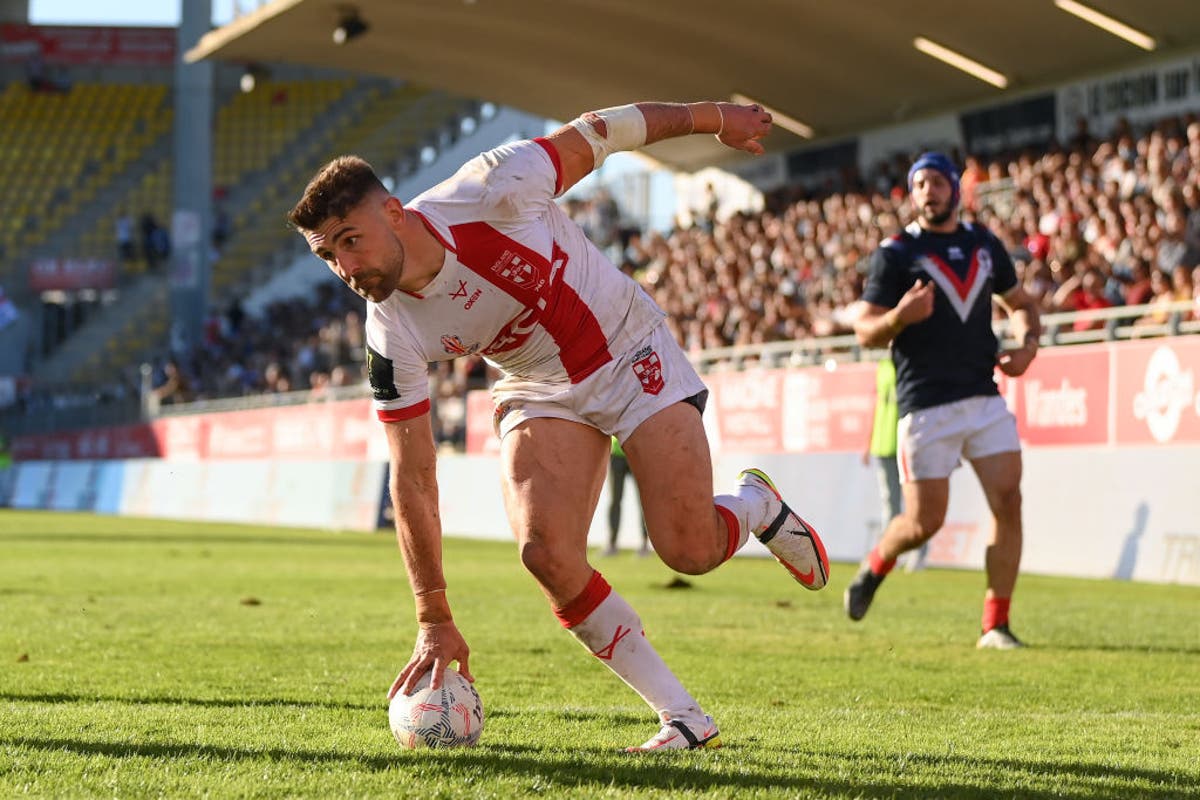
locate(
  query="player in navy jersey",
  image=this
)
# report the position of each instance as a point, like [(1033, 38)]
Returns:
[(929, 294), (486, 262)]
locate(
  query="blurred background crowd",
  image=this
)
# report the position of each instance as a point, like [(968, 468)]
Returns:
[(1091, 223)]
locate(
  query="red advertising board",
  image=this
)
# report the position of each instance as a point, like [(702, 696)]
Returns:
[(71, 274), (78, 45), (481, 436), (1125, 393), (122, 441), (1157, 397), (316, 431), (828, 410), (747, 407), (1063, 398)]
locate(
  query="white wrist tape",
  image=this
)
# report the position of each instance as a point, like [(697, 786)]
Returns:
[(625, 130)]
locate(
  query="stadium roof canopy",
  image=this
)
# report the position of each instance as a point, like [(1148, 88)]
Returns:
[(839, 67)]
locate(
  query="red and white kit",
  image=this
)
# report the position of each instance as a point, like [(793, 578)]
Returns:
[(522, 286)]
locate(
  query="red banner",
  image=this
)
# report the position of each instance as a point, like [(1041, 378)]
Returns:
[(1127, 393), (828, 410), (748, 409), (71, 274), (481, 436), (101, 46), (316, 431), (1063, 397)]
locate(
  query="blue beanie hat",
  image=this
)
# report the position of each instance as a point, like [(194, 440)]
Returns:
[(939, 162)]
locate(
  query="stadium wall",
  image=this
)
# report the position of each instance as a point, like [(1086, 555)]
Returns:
[(1111, 433)]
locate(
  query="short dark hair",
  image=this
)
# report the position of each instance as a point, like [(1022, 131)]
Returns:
[(334, 191)]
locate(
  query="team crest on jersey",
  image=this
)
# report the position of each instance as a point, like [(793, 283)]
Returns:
[(648, 369), (455, 347), (517, 270)]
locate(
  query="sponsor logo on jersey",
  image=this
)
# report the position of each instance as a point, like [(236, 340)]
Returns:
[(648, 369), (454, 346), (461, 292), (381, 377)]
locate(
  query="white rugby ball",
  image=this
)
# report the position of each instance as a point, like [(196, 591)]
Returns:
[(451, 716)]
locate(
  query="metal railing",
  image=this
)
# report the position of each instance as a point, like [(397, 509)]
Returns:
[(1119, 323)]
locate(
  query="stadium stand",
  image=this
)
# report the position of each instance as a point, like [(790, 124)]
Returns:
[(59, 149), (780, 286)]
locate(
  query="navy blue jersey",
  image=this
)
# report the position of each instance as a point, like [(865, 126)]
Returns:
[(952, 354)]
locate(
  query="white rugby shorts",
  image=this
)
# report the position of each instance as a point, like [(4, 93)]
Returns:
[(652, 375), (933, 441)]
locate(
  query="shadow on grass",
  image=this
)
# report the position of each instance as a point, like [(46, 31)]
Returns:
[(316, 539), (1147, 649), (755, 771), (204, 702)]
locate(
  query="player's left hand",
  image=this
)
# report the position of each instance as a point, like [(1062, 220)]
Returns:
[(1013, 363), (743, 126)]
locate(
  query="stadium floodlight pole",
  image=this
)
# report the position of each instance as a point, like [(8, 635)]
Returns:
[(190, 266), (1108, 24), (961, 62), (782, 120)]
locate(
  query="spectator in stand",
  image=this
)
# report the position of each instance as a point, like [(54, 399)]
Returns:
[(1163, 297), (155, 244), (973, 174), (1191, 202), (1139, 290), (222, 228), (126, 251), (1084, 291), (175, 386)]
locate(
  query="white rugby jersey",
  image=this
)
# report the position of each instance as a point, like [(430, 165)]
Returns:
[(521, 285)]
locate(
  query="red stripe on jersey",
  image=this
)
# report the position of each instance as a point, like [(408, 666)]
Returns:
[(552, 151), (589, 600), (401, 414), (962, 287), (436, 233), (539, 284)]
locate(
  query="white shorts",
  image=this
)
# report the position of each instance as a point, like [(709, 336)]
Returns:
[(932, 441), (615, 399)]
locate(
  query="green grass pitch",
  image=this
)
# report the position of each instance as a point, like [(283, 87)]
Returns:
[(144, 658)]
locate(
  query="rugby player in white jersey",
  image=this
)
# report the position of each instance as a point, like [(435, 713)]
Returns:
[(487, 263)]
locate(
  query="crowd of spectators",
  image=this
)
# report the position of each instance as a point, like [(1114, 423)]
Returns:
[(1091, 223)]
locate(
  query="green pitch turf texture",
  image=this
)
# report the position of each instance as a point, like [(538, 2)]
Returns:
[(145, 658)]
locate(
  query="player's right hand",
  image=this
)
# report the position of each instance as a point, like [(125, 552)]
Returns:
[(438, 645), (917, 303), (742, 126)]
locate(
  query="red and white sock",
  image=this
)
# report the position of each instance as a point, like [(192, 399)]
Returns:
[(748, 509), (612, 631)]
